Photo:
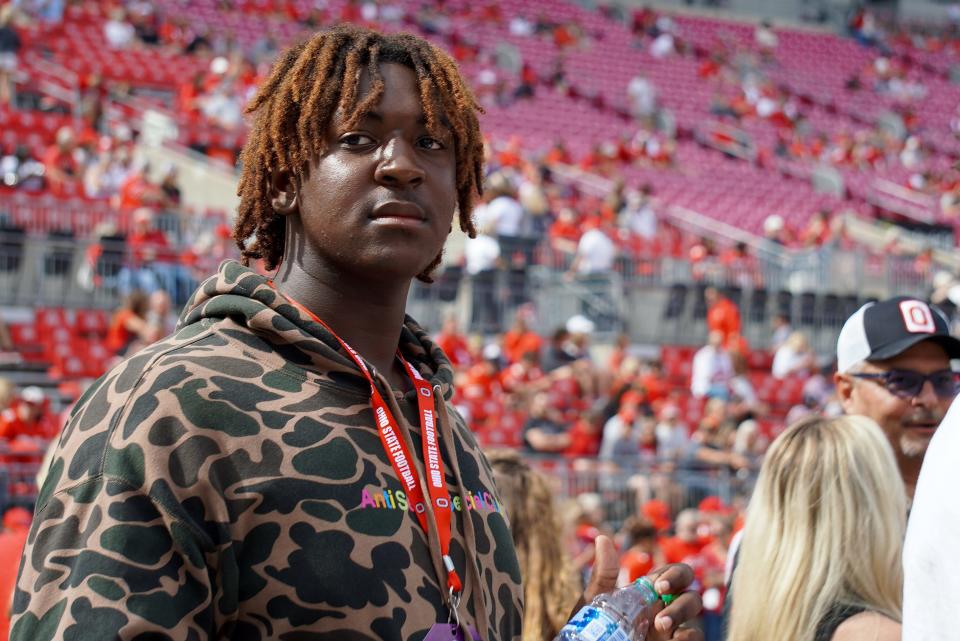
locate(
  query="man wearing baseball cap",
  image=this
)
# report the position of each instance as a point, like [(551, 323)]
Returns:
[(893, 365)]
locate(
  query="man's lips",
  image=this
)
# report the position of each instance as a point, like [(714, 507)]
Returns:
[(921, 428), (399, 209)]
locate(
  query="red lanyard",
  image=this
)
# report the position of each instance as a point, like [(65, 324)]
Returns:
[(394, 445)]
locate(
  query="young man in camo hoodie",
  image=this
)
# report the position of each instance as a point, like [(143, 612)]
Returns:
[(287, 465)]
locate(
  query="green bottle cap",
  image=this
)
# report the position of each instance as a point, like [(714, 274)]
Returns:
[(666, 598)]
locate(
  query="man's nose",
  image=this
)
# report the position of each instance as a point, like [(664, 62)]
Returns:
[(398, 166)]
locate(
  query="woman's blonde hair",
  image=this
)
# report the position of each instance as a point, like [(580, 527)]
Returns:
[(824, 528), (549, 588)]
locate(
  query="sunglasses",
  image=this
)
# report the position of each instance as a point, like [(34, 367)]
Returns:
[(907, 383)]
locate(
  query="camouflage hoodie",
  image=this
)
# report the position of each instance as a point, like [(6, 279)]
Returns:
[(229, 483)]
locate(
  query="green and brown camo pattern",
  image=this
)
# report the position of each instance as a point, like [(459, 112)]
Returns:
[(218, 485)]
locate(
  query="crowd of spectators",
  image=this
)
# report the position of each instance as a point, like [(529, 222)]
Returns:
[(528, 217), (555, 396)]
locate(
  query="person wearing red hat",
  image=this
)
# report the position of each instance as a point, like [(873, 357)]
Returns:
[(658, 513), (714, 505)]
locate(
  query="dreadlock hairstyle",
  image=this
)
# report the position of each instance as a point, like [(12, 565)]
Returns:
[(549, 583), (313, 81)]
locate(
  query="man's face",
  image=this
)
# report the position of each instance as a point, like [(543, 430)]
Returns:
[(381, 197), (909, 423), (30, 412)]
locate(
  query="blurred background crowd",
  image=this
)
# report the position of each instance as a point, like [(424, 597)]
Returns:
[(681, 208)]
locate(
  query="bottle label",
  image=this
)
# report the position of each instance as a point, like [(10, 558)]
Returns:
[(593, 624)]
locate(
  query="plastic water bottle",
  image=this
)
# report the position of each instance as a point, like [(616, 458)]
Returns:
[(622, 615)]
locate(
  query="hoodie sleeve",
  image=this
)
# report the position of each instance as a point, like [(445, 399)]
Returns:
[(105, 561)]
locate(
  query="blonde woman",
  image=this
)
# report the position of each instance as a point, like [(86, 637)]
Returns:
[(821, 553), (549, 586)]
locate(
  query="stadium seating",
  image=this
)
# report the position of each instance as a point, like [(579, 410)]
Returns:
[(810, 65)]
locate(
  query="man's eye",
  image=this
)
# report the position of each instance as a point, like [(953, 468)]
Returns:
[(902, 380), (354, 140), (427, 142)]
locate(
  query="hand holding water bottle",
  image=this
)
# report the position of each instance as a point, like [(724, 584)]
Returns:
[(664, 621)]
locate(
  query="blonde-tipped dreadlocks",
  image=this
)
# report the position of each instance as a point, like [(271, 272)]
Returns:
[(314, 80)]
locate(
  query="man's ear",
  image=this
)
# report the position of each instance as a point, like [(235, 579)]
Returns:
[(843, 383), (284, 192)]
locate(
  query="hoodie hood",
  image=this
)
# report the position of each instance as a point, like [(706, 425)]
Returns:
[(245, 297)]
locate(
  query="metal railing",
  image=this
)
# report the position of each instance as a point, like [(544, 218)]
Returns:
[(61, 271), (625, 485)]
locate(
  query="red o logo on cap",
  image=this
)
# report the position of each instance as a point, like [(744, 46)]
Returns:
[(917, 317)]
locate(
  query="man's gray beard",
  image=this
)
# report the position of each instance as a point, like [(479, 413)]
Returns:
[(914, 447)]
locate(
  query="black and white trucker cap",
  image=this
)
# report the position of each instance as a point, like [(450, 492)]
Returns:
[(882, 330)]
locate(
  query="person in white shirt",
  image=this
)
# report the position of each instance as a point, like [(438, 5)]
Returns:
[(117, 31), (672, 435), (595, 252), (481, 253), (481, 258), (503, 211), (931, 555), (712, 369), (781, 331), (793, 357), (642, 96), (638, 215)]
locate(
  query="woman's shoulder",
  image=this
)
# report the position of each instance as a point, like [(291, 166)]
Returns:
[(868, 626)]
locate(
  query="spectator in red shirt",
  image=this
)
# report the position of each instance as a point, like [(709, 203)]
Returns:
[(137, 191), (709, 566), (188, 94), (642, 552), (565, 234), (60, 160), (520, 340), (521, 378), (653, 382), (722, 316), (687, 541), (154, 263), (146, 242), (558, 154), (585, 437), (618, 354), (453, 343), (28, 417), (818, 231), (129, 330)]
